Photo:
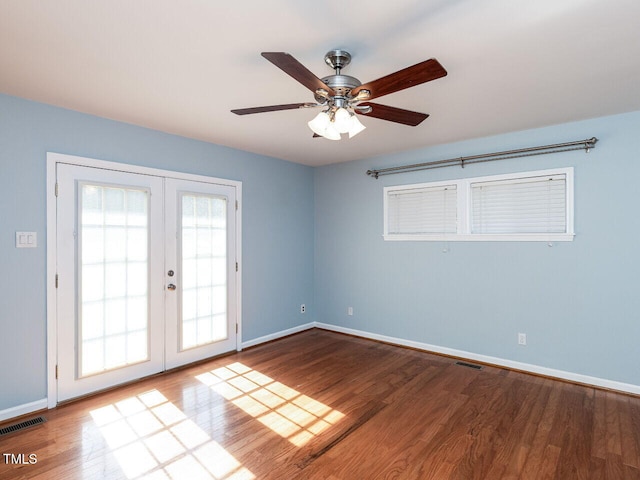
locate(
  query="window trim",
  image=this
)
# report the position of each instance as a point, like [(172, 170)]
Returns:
[(463, 188)]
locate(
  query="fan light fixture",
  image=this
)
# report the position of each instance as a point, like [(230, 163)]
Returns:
[(334, 121)]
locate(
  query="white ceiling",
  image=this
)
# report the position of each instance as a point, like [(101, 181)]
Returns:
[(181, 66)]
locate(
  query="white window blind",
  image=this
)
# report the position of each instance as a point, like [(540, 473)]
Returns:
[(519, 206), (416, 211), (523, 206)]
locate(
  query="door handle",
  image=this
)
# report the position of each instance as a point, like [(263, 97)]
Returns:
[(171, 286)]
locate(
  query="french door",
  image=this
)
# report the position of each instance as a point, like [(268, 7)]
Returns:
[(200, 262), (146, 275)]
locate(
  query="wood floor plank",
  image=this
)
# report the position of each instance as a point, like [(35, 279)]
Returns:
[(322, 405), (612, 421), (634, 423), (577, 425), (613, 466), (540, 441), (597, 468), (510, 459), (629, 434), (599, 437), (548, 466)]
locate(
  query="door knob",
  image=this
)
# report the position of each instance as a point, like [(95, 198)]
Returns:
[(171, 286)]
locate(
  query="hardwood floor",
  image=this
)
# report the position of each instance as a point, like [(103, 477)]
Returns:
[(321, 405)]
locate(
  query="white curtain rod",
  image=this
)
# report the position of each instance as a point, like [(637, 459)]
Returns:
[(585, 145)]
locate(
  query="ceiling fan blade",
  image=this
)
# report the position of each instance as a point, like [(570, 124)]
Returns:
[(272, 108), (408, 77), (294, 68), (393, 114)]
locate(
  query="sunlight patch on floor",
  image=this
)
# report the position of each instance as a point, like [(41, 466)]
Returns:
[(287, 412), (153, 439)]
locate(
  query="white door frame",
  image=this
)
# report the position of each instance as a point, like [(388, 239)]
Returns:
[(53, 159)]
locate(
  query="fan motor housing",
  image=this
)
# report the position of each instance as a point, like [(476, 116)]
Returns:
[(341, 84)]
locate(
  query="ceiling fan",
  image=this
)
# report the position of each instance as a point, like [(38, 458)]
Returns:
[(343, 96)]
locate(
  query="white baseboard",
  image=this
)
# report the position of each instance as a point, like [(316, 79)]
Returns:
[(23, 409), (501, 362), (280, 334)]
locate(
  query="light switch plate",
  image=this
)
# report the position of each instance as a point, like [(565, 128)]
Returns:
[(26, 240)]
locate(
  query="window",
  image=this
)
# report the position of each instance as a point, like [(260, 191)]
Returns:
[(529, 206), (423, 210)]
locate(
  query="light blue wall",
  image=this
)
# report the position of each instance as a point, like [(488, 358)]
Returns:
[(277, 225), (578, 302)]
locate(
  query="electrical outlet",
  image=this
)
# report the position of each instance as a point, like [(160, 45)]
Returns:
[(350, 311), (522, 339), (303, 308)]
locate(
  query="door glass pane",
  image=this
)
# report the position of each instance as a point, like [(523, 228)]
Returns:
[(113, 301), (203, 248)]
